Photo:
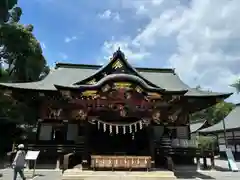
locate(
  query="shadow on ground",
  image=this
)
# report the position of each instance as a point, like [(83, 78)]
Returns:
[(191, 175)]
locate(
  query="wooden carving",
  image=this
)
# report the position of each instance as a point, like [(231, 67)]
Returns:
[(174, 99), (122, 85), (183, 119), (91, 93), (54, 113), (156, 117), (66, 94), (106, 88), (93, 81), (122, 110), (118, 64), (79, 114), (173, 117), (154, 96)]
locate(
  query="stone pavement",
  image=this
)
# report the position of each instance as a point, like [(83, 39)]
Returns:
[(221, 173), (202, 175), (40, 175)]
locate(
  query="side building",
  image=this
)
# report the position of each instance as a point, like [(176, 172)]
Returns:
[(137, 117), (232, 136)]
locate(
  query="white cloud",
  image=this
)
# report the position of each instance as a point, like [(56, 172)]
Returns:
[(63, 56), (109, 15), (205, 35), (133, 53), (43, 45), (70, 39)]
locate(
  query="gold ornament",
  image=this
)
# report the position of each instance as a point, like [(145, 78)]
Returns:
[(54, 113)]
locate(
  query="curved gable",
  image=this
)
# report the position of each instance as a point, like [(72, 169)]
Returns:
[(117, 65)]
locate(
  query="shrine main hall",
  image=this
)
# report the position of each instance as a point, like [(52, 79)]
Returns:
[(114, 116)]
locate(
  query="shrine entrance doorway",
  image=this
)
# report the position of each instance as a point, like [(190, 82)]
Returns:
[(125, 140)]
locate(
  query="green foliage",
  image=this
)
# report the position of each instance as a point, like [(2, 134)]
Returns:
[(8, 4), (5, 7), (213, 114), (236, 85), (21, 52), (207, 142)]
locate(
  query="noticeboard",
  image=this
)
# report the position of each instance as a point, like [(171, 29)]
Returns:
[(32, 155), (231, 160)]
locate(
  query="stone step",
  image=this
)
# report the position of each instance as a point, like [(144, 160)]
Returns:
[(75, 174)]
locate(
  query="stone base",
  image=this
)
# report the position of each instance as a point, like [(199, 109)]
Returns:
[(75, 174)]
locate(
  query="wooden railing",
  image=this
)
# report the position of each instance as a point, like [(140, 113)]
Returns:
[(121, 162), (56, 148), (184, 143)]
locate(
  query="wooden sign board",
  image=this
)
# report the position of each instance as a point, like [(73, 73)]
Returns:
[(32, 155), (231, 160)]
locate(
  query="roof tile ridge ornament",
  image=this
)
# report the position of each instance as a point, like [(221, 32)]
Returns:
[(174, 71), (118, 54), (56, 64)]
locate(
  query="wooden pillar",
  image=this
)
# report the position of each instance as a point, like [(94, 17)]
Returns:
[(204, 162), (170, 164), (86, 160), (65, 129), (39, 124), (151, 145), (212, 162)]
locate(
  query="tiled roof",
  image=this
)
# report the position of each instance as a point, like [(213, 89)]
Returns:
[(68, 74), (232, 121), (196, 126)]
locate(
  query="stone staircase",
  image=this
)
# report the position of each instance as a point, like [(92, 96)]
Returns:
[(166, 145), (77, 174)]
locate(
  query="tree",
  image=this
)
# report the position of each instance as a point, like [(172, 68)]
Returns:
[(21, 50), (215, 113), (236, 85), (5, 7), (22, 54)]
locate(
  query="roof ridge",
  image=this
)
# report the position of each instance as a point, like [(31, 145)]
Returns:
[(93, 66)]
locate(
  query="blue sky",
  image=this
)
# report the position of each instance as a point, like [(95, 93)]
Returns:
[(75, 31), (200, 39)]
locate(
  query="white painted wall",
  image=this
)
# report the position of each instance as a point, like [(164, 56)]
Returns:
[(72, 132), (45, 132)]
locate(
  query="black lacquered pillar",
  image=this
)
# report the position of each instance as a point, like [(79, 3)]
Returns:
[(151, 145), (86, 159)]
